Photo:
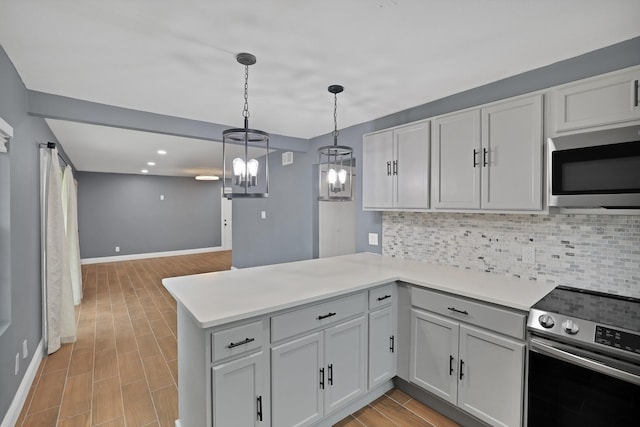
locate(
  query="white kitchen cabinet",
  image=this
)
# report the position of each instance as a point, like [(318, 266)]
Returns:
[(456, 154), (480, 371), (239, 392), (489, 158), (395, 168), (491, 376), (603, 101), (434, 354), (318, 373), (511, 160), (297, 395), (382, 346)]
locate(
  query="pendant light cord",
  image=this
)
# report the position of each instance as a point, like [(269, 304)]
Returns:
[(335, 119)]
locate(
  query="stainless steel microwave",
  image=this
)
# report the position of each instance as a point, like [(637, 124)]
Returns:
[(595, 169)]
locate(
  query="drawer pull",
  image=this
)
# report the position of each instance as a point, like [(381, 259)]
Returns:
[(455, 310), (259, 404), (326, 315), (239, 343), (384, 297), (450, 365)]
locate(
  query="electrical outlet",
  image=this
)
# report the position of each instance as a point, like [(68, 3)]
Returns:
[(263, 214), (17, 364), (528, 254), (373, 239), (162, 197), (117, 248), (25, 349)]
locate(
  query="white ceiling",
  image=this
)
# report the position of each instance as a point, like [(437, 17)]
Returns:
[(177, 58)]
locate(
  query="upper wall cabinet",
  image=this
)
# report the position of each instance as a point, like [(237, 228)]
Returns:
[(598, 102), (489, 158), (395, 168), (456, 161)]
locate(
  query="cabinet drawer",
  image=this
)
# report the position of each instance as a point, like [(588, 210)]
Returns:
[(382, 296), (308, 318), (237, 340), (497, 319)]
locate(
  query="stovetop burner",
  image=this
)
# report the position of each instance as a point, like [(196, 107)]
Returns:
[(613, 310)]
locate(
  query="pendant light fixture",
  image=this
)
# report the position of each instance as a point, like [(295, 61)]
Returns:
[(248, 175), (335, 163)]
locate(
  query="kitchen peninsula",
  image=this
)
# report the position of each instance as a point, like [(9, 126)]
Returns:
[(308, 342)]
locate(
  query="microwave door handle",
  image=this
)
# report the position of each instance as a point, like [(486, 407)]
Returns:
[(538, 346)]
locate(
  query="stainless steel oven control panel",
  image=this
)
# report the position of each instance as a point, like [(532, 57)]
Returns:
[(585, 333), (617, 339)]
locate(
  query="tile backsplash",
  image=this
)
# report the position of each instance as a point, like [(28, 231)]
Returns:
[(598, 252)]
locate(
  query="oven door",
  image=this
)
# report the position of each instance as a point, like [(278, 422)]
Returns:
[(569, 387)]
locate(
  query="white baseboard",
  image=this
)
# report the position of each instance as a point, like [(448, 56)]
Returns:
[(150, 255), (11, 418)]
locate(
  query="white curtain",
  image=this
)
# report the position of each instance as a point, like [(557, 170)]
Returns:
[(70, 211), (60, 315)]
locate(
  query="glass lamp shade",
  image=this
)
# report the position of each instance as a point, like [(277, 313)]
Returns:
[(335, 173), (248, 175)]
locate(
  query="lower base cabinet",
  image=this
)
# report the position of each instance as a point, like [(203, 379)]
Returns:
[(240, 395), (314, 375), (477, 370), (382, 346)]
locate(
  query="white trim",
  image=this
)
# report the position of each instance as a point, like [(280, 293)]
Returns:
[(6, 131), (11, 418), (150, 255)]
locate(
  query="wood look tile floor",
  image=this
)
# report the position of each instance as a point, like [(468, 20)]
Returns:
[(123, 368)]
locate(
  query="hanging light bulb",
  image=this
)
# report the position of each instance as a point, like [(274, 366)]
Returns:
[(245, 169), (335, 163)]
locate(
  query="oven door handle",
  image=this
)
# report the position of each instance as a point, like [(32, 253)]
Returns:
[(549, 349)]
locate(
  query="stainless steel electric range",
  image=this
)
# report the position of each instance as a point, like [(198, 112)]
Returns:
[(584, 360)]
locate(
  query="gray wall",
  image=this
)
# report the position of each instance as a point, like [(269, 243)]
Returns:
[(24, 231), (274, 245), (285, 234), (126, 211)]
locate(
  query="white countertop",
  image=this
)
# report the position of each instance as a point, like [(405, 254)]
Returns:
[(217, 298)]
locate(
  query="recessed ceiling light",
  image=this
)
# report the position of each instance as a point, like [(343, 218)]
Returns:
[(144, 171), (207, 178), (151, 163), (162, 152)]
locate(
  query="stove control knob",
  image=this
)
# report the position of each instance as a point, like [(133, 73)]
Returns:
[(570, 327), (546, 321)]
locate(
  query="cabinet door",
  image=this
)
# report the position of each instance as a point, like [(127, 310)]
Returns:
[(434, 352), (377, 169), (491, 387), (512, 153), (456, 161), (345, 359), (411, 166), (597, 102), (296, 393), (239, 392), (382, 346)]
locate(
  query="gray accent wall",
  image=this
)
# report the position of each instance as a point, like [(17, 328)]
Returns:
[(285, 234), (126, 211), (24, 232), (275, 244)]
